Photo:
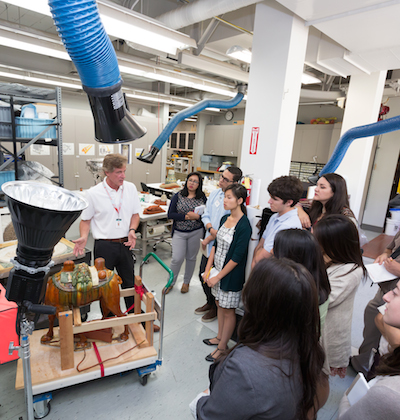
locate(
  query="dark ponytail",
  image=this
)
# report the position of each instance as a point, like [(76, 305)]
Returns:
[(239, 191)]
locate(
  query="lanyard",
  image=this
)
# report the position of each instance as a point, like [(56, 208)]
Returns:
[(120, 201)]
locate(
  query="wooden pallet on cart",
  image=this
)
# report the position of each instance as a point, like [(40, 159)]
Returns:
[(56, 367)]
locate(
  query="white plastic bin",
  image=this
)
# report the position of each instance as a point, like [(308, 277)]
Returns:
[(392, 227)]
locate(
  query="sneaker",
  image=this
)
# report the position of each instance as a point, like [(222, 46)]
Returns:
[(210, 315), (202, 309), (185, 288)]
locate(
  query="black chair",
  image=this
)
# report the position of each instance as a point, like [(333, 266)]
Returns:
[(144, 187)]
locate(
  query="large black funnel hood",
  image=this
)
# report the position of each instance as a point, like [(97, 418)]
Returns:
[(41, 214)]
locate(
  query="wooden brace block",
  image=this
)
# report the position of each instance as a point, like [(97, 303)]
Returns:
[(138, 304), (113, 322), (139, 335), (149, 324), (77, 317), (131, 292), (66, 340)]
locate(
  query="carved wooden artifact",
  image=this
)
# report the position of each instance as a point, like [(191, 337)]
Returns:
[(78, 285)]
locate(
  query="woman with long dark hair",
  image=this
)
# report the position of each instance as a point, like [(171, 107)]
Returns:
[(382, 401), (187, 228), (228, 257), (330, 197), (275, 370), (339, 241), (300, 246)]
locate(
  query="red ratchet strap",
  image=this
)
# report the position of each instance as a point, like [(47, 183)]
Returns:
[(99, 359), (140, 291)]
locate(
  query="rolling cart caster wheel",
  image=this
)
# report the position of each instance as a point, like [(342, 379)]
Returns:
[(41, 409), (143, 379)]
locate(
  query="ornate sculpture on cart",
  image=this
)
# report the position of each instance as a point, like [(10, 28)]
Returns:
[(78, 285)]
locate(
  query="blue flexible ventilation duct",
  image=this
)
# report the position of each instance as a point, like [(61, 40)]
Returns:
[(186, 113), (374, 129), (79, 26)]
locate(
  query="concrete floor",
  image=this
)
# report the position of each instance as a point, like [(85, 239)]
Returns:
[(183, 374)]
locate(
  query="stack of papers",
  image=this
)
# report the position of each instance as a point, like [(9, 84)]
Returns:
[(378, 273), (357, 389)]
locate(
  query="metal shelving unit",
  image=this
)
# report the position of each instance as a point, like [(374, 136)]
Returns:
[(303, 170), (13, 97)]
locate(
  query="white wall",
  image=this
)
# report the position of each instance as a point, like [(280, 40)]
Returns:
[(78, 128), (387, 154), (238, 115)]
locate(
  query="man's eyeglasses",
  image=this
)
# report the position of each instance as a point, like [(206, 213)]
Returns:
[(225, 179)]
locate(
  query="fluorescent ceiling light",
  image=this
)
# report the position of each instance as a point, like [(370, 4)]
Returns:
[(243, 54), (147, 38), (240, 53), (131, 70), (213, 66), (40, 80), (156, 99), (308, 79), (12, 41), (39, 6), (175, 77), (318, 103), (126, 24)]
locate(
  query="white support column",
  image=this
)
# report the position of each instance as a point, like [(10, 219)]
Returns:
[(362, 107), (279, 46)]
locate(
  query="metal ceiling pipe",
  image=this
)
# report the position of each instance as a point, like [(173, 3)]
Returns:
[(369, 130), (201, 10), (186, 113)]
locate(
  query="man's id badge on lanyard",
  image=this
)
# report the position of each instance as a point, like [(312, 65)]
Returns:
[(217, 203), (118, 220)]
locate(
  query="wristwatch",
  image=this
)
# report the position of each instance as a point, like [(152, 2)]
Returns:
[(209, 229), (132, 229)]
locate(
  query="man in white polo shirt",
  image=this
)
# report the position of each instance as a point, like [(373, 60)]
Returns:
[(284, 192), (113, 216)]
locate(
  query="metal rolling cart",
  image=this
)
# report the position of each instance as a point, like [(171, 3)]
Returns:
[(48, 374), (145, 371)]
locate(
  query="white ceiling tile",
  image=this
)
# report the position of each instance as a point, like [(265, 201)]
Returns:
[(319, 9), (372, 30)]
